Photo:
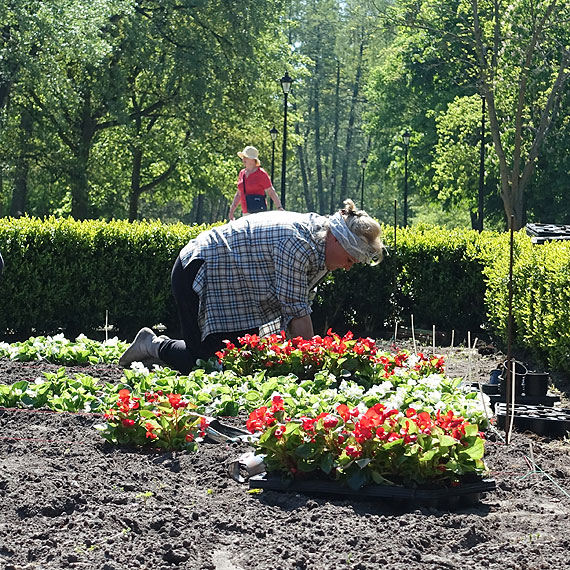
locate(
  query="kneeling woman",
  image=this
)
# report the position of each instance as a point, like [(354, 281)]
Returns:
[(256, 272)]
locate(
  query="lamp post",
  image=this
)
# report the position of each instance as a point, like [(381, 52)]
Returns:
[(273, 132), (286, 82), (406, 138), (481, 168), (363, 163)]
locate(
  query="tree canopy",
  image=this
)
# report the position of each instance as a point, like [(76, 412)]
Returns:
[(122, 109)]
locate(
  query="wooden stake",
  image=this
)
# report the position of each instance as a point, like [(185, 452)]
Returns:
[(414, 336), (433, 342)]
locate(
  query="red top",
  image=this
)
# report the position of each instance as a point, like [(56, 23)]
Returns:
[(257, 182)]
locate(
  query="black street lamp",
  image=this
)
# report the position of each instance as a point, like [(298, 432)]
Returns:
[(273, 132), (286, 82), (406, 138), (481, 168), (363, 163)]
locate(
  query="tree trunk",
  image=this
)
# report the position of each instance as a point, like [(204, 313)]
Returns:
[(79, 182), (333, 177), (303, 168), (351, 119), (318, 148), (19, 202), (135, 192)]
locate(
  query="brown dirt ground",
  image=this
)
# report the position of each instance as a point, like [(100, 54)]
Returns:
[(68, 500)]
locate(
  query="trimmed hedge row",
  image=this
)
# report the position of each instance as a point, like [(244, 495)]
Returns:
[(433, 274), (541, 297), (63, 275)]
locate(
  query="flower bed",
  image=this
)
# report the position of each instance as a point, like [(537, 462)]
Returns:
[(363, 445)]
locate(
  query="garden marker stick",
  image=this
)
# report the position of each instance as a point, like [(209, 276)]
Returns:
[(510, 379), (469, 355), (414, 336), (396, 332), (433, 341)]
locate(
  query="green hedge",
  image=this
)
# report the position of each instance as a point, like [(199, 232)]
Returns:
[(541, 297), (433, 274), (62, 275)]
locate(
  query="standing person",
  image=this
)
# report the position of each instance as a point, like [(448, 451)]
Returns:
[(233, 279), (253, 184)]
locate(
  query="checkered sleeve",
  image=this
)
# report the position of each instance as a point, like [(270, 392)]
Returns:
[(293, 257)]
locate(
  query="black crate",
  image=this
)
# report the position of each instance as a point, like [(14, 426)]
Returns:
[(542, 420), (541, 233)]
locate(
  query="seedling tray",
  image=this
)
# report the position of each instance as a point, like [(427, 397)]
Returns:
[(542, 420), (492, 390), (464, 495), (545, 401)]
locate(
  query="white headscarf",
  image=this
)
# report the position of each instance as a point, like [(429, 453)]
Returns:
[(354, 245)]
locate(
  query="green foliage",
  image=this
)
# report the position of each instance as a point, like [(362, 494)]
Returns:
[(64, 274), (59, 350), (411, 280), (58, 392), (541, 297)]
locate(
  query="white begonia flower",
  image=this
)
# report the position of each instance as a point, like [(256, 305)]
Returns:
[(433, 380), (114, 341), (351, 390), (412, 382), (380, 390), (412, 360), (140, 368), (434, 396), (400, 371)]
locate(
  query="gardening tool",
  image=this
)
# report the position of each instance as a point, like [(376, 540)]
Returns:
[(217, 432), (246, 466)]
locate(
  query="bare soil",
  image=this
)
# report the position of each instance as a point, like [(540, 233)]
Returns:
[(68, 500)]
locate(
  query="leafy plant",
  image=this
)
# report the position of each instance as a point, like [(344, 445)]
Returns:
[(165, 421), (362, 445)]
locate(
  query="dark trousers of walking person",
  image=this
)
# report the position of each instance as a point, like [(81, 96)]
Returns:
[(182, 354)]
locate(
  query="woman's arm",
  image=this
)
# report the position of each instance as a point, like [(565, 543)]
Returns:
[(234, 205), (273, 195), (302, 327)]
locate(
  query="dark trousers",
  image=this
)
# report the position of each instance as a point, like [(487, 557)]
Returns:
[(182, 354)]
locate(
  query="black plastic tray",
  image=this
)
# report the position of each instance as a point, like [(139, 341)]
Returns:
[(542, 420), (548, 400), (467, 494)]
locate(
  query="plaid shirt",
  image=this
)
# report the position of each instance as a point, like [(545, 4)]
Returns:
[(257, 269)]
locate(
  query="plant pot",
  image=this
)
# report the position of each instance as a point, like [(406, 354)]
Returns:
[(536, 383), (495, 376), (520, 372), (490, 389)]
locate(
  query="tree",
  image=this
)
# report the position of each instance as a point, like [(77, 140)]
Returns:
[(516, 56)]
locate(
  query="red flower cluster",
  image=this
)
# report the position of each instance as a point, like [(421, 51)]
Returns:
[(299, 356), (264, 417)]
